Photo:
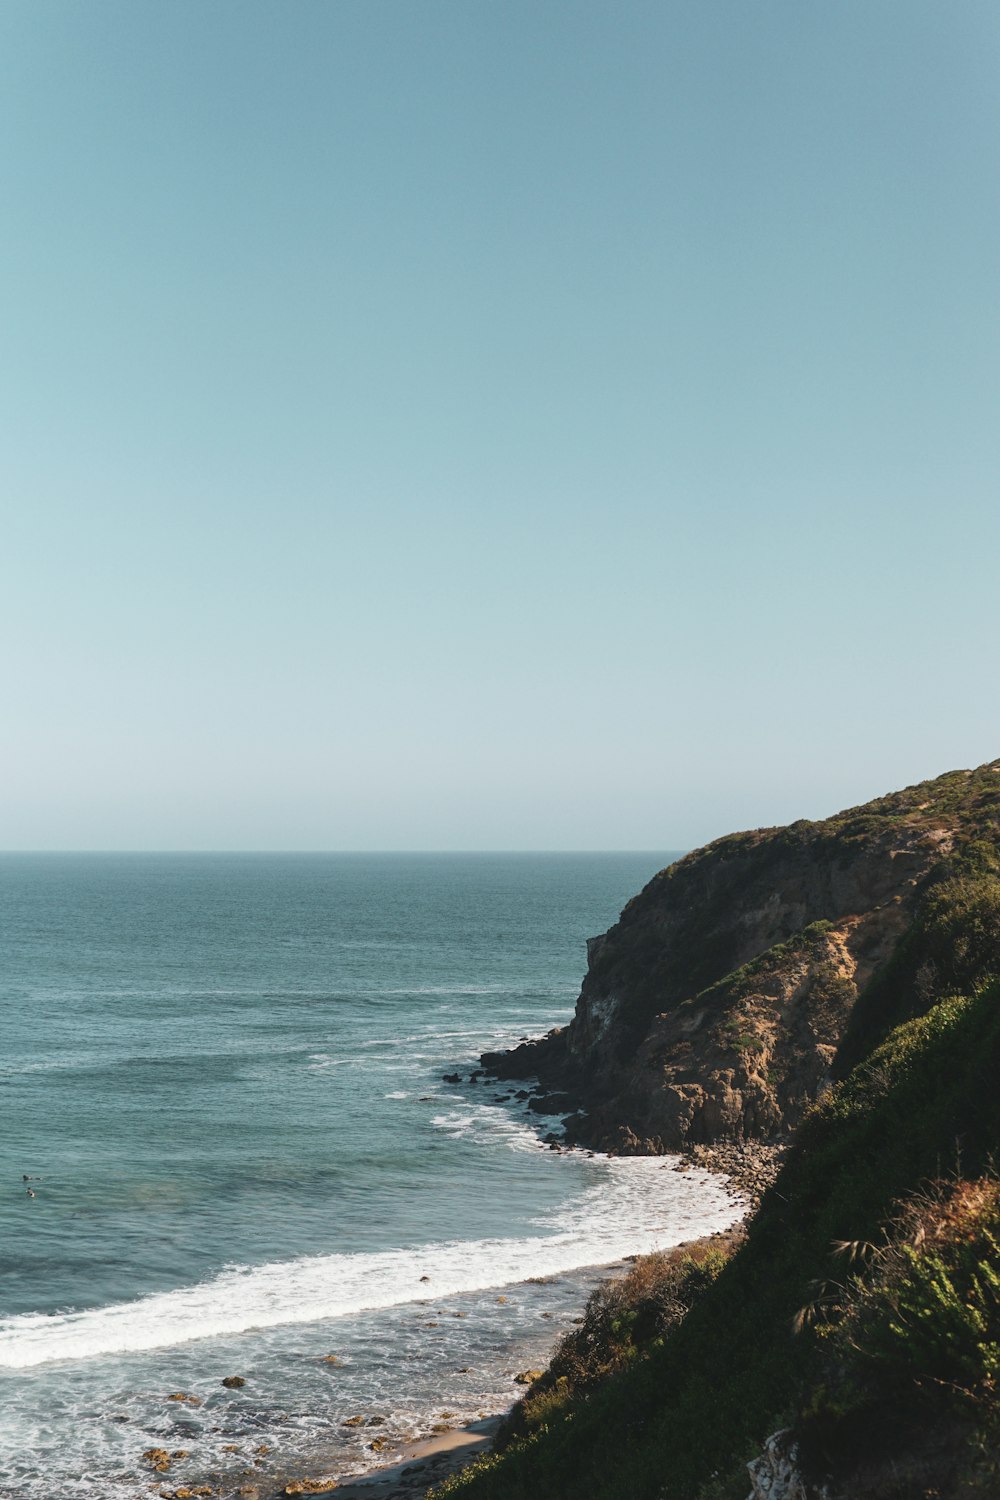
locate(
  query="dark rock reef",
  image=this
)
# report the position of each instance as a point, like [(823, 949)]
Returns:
[(715, 1007)]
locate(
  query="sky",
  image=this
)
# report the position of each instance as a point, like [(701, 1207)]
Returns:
[(492, 424)]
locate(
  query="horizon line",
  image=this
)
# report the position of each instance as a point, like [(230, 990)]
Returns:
[(305, 852)]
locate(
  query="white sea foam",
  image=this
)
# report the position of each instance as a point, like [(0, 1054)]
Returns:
[(634, 1206), (451, 990), (486, 1123)]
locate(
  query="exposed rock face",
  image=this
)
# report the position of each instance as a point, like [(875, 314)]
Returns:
[(776, 1475), (714, 1008)]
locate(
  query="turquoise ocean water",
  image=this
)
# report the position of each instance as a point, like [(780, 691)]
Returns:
[(225, 1072)]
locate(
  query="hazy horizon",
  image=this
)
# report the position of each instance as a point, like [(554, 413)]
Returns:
[(359, 853)]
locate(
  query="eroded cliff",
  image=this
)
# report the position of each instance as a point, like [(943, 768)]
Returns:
[(715, 1007)]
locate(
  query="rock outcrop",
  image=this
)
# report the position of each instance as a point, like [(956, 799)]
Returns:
[(714, 1009), (777, 1474)]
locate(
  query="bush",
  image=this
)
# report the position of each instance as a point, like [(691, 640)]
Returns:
[(624, 1315), (624, 1319), (924, 1315)]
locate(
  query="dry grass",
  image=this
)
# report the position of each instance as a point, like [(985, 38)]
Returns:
[(623, 1320)]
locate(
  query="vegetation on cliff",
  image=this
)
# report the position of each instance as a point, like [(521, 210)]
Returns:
[(862, 1311), (625, 1320), (913, 1349)]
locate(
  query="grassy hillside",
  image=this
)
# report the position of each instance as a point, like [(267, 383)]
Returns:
[(689, 1373)]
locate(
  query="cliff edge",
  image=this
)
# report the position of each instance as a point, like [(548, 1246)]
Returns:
[(719, 1004)]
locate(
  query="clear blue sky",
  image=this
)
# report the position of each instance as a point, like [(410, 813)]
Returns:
[(521, 424)]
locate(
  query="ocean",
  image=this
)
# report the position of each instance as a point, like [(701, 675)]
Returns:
[(223, 1076)]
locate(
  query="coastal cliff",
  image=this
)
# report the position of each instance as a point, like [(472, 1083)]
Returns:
[(848, 1343), (714, 1009)]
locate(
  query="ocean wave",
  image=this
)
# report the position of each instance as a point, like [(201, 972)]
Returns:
[(486, 1123), (634, 1206)]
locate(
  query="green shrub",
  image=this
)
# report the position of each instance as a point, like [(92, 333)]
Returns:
[(924, 1314), (624, 1320)]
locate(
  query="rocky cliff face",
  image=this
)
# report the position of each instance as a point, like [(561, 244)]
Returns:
[(714, 1008)]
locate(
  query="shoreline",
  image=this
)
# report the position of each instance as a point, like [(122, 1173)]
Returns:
[(749, 1166), (304, 1434), (416, 1465), (427, 1456), (422, 1464), (424, 1461)]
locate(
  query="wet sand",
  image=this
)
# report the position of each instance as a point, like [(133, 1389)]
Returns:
[(424, 1463)]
